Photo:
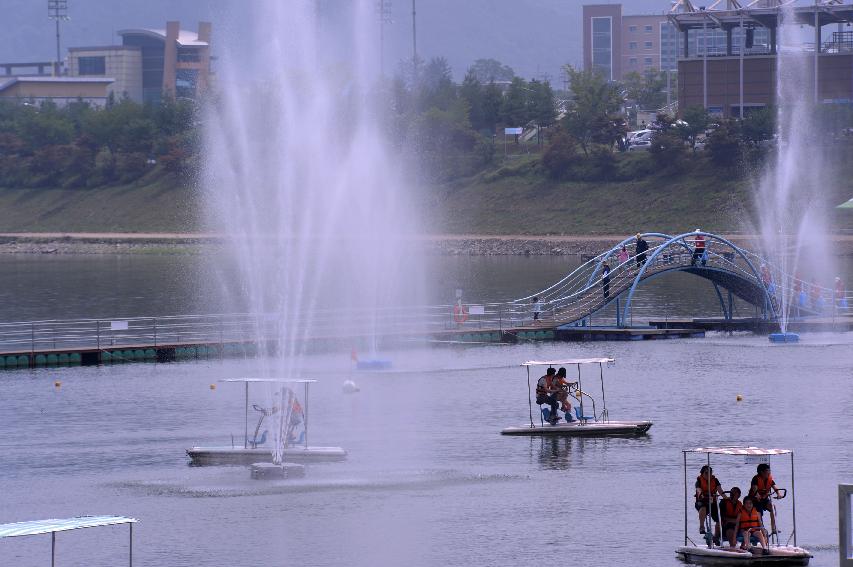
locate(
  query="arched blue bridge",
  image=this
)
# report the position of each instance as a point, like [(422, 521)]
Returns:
[(733, 271)]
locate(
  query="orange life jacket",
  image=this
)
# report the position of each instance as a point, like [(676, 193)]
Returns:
[(751, 519), (702, 479), (546, 388), (730, 508), (762, 486)]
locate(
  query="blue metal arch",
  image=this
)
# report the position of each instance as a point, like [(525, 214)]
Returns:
[(679, 239), (603, 257)]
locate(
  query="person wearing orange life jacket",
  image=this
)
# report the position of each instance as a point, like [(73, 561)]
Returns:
[(547, 390), (563, 387), (707, 490), (729, 513), (749, 526), (698, 248), (760, 491)]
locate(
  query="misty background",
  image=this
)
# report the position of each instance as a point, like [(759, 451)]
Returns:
[(534, 37)]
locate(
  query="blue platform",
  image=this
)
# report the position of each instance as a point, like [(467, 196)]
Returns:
[(784, 337)]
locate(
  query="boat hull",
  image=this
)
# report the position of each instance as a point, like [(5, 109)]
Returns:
[(779, 555), (245, 456), (588, 429)]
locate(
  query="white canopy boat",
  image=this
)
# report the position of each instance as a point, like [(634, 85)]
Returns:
[(708, 552), (253, 449), (581, 425)]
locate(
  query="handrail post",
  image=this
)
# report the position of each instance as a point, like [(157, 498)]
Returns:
[(98, 335), (154, 319), (33, 339)]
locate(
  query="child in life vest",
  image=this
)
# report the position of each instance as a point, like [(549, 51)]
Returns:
[(749, 526), (730, 512), (760, 490)]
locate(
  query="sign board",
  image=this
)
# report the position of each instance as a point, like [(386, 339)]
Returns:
[(118, 325), (756, 459), (513, 131), (476, 309)]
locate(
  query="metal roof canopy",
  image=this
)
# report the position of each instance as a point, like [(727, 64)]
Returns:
[(739, 450), (828, 13), (568, 361), (40, 527)]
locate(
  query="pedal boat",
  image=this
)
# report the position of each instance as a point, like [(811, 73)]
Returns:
[(252, 450), (708, 553), (581, 425)]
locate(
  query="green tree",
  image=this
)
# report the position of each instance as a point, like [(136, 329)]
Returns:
[(694, 122), (436, 85), (724, 144), (492, 103), (759, 125), (542, 107), (515, 110), (490, 70), (560, 154), (594, 107), (668, 149), (471, 90), (646, 90)]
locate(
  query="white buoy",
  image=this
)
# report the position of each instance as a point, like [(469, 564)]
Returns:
[(349, 387)]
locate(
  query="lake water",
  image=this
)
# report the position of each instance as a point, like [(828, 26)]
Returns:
[(428, 481)]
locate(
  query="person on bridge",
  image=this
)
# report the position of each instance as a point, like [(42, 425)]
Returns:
[(623, 255), (547, 393), (537, 308), (698, 248), (707, 490), (641, 249), (840, 299), (605, 281)]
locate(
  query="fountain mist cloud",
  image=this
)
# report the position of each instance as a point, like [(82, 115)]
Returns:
[(790, 197), (299, 178)]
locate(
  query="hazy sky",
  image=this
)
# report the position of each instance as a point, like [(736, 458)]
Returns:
[(533, 36)]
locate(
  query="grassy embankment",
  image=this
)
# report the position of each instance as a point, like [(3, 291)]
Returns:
[(511, 197), (517, 197)]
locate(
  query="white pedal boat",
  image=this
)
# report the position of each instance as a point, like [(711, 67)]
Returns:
[(708, 553), (253, 449), (581, 425)]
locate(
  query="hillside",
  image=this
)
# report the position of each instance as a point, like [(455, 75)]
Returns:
[(512, 197), (517, 197)]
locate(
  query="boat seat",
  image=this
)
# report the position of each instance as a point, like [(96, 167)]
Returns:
[(254, 444), (583, 417)]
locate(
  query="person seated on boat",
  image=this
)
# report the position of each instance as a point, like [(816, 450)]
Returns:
[(707, 490), (729, 514), (749, 528), (563, 393), (760, 490), (546, 393)]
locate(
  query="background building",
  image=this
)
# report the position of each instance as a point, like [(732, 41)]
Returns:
[(59, 90), (121, 63), (174, 61), (712, 77), (616, 44)]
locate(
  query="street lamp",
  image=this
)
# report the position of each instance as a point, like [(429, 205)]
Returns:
[(57, 10)]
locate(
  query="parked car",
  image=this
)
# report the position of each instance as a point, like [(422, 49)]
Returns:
[(640, 146)]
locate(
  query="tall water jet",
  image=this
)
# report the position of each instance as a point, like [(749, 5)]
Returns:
[(791, 207), (300, 180)]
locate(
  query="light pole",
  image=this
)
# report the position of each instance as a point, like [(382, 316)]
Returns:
[(383, 10), (742, 49), (704, 60), (57, 10)]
